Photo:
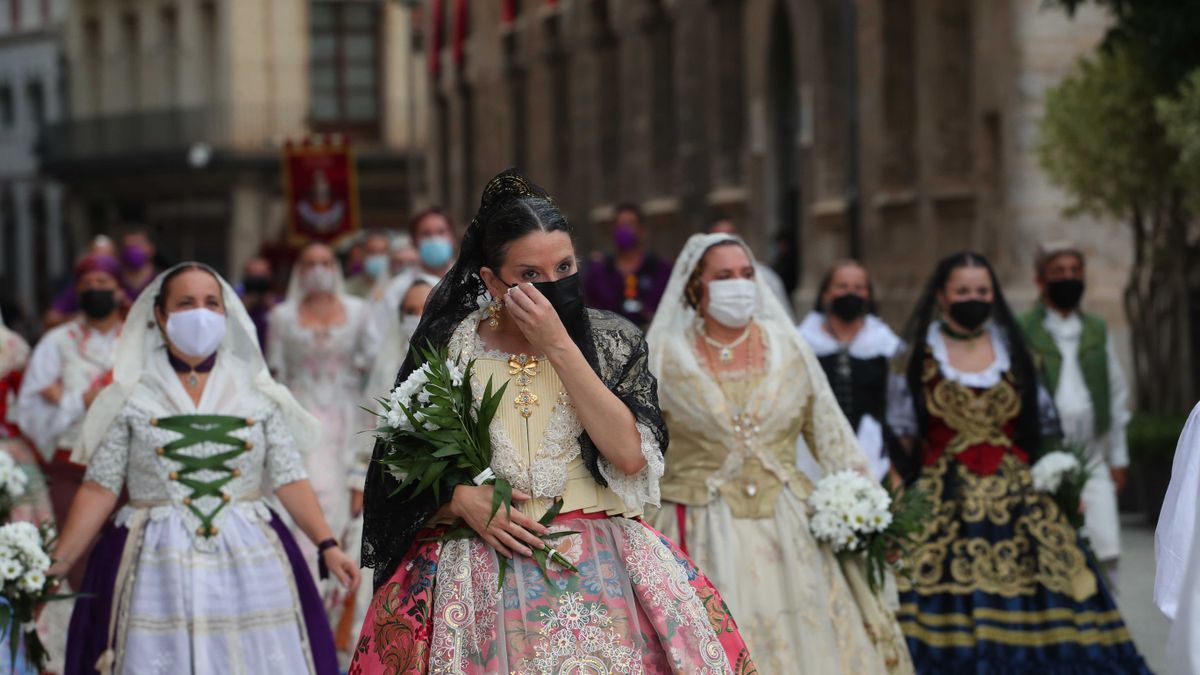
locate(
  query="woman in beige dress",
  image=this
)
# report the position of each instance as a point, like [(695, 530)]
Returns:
[(738, 386)]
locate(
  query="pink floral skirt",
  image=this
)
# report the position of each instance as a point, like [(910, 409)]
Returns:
[(637, 605)]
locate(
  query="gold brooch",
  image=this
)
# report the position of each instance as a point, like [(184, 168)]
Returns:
[(524, 368)]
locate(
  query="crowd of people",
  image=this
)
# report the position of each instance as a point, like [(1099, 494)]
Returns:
[(201, 447)]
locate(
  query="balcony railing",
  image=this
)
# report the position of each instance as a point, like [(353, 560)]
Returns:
[(243, 128), (142, 133), (153, 137)]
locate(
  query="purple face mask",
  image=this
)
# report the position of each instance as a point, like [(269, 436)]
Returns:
[(625, 237), (134, 256)]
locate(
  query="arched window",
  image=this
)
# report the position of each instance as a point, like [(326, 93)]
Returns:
[(729, 48), (899, 94), (344, 69), (953, 95), (608, 103), (663, 120)]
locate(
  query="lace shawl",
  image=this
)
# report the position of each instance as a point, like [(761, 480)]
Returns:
[(617, 352)]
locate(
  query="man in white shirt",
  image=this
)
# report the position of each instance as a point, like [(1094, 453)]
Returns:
[(67, 370), (1077, 362)]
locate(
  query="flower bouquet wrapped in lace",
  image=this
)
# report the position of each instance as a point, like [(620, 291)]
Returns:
[(854, 514), (24, 586), (1062, 474), (436, 437), (12, 485)]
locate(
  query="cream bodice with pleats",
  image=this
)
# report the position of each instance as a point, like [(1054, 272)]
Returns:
[(542, 440)]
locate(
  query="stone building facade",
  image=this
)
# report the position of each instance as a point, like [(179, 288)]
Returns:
[(180, 109), (746, 108), (33, 237)]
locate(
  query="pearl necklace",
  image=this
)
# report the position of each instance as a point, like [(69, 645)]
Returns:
[(725, 351)]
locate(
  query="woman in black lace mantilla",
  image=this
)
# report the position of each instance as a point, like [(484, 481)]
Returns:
[(594, 438)]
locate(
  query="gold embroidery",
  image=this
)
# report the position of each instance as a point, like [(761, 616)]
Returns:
[(1020, 638), (1042, 550), (1055, 614), (977, 417)]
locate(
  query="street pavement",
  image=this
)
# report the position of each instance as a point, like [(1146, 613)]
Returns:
[(1136, 595)]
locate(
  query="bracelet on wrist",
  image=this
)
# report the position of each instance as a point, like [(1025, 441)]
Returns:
[(322, 568)]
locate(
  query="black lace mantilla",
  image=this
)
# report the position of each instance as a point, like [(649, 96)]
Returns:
[(392, 523), (613, 346)]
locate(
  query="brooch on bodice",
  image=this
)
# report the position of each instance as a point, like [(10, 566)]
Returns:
[(524, 368)]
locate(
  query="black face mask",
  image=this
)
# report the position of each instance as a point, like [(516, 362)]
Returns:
[(1065, 293), (257, 285), (97, 304), (848, 307), (566, 295), (970, 314)]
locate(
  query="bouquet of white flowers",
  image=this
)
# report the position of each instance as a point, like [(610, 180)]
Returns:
[(854, 514), (24, 585), (1062, 474), (12, 485), (436, 437)]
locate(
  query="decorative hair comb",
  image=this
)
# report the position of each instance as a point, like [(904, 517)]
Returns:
[(506, 186)]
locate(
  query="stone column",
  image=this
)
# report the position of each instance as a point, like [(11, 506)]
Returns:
[(248, 210), (56, 249), (23, 274)]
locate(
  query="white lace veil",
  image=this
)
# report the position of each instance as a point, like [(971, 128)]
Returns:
[(295, 293), (141, 339), (675, 320), (690, 393)]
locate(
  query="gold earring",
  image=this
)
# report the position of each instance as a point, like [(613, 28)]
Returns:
[(493, 310)]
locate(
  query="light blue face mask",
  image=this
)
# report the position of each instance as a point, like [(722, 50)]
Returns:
[(377, 266), (436, 252)]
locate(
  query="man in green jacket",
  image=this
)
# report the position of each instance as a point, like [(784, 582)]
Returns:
[(1076, 360)]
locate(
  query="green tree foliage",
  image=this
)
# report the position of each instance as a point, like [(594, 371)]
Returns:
[(1101, 141), (1180, 118), (1122, 139), (1163, 36)]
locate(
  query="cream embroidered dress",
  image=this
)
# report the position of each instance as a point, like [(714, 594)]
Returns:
[(635, 606), (734, 499)]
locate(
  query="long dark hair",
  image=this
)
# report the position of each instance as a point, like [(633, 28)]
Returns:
[(511, 207), (1028, 431)]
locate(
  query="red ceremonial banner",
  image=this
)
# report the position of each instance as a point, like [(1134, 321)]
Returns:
[(321, 188)]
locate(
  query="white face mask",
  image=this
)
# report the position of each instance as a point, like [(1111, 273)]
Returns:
[(319, 279), (409, 323), (196, 332), (732, 302)]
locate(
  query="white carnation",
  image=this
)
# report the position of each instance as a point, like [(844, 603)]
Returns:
[(10, 569), (1049, 471), (456, 374), (33, 581), (847, 507)]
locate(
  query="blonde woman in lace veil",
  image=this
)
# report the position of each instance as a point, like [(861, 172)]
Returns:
[(579, 421), (738, 386)]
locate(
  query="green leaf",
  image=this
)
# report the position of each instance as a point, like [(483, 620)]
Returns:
[(552, 512), (448, 451), (432, 473), (539, 556), (501, 496)]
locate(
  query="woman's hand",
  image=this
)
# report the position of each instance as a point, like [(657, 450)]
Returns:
[(508, 531), (342, 567), (537, 319)]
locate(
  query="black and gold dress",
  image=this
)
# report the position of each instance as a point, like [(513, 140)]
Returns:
[(1000, 582)]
